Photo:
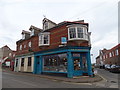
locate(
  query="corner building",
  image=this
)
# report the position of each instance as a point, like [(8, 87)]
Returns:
[(62, 48)]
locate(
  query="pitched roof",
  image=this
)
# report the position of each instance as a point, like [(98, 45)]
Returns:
[(49, 21), (25, 32), (33, 27)]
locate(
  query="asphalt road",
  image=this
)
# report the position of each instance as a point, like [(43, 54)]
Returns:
[(110, 79), (10, 80)]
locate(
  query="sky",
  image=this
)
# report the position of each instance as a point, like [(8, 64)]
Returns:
[(102, 16)]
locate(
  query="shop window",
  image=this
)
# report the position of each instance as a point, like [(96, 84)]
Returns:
[(77, 64), (84, 63), (22, 62), (44, 39), (29, 61), (77, 33), (57, 63), (16, 62)]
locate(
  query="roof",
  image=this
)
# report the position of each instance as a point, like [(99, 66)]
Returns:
[(36, 28), (25, 32), (49, 21), (97, 57), (67, 23), (6, 47)]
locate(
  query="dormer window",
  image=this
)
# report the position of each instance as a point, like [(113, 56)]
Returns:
[(32, 32), (44, 39), (77, 33), (45, 25), (23, 36)]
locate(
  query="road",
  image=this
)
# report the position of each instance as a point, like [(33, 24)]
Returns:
[(11, 80), (110, 79)]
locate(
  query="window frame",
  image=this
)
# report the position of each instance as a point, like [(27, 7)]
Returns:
[(41, 39), (22, 62), (32, 32), (84, 31), (29, 44), (29, 61), (45, 25), (23, 36), (117, 52), (110, 54), (20, 47)]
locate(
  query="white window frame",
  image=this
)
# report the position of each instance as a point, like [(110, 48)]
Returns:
[(110, 54), (20, 47), (106, 56), (10, 54), (113, 53), (29, 44), (13, 55), (44, 25), (23, 36), (41, 42), (117, 53), (24, 46), (32, 32), (85, 33)]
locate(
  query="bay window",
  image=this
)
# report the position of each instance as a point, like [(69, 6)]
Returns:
[(77, 33), (44, 39), (72, 33)]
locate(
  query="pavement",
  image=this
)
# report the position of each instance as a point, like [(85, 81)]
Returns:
[(61, 77)]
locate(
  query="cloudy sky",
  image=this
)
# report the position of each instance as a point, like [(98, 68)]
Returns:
[(102, 16)]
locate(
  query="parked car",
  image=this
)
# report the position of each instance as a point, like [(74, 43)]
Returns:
[(107, 67), (115, 69), (102, 67), (113, 66)]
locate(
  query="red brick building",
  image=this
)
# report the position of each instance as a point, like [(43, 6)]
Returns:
[(111, 56), (36, 48)]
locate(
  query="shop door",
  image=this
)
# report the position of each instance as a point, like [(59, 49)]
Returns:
[(77, 67), (38, 66)]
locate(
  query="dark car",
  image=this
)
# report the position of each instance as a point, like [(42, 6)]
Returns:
[(115, 69)]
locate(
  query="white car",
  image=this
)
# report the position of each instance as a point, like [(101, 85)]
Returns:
[(107, 67)]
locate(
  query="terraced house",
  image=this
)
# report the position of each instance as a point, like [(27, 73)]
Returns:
[(57, 48), (109, 56), (26, 47)]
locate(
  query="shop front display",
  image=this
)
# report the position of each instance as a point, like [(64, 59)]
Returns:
[(73, 62), (57, 63)]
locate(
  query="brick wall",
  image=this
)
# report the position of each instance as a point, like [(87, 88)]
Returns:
[(113, 59), (55, 41)]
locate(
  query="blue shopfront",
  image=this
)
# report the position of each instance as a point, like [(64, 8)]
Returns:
[(74, 61)]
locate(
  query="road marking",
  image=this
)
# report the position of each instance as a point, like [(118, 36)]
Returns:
[(78, 83), (102, 77)]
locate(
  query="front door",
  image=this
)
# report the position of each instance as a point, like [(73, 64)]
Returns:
[(38, 65), (77, 66)]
